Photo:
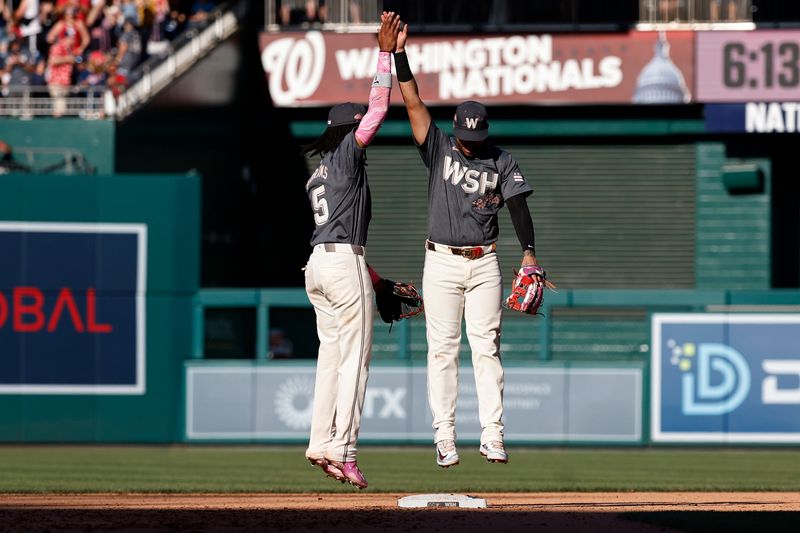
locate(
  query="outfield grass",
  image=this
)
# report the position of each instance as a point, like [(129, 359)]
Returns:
[(271, 469)]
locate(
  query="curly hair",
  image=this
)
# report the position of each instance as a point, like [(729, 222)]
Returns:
[(329, 140)]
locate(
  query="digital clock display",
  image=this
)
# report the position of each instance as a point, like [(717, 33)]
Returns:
[(746, 66)]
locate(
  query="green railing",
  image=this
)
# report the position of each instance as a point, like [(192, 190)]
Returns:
[(649, 300)]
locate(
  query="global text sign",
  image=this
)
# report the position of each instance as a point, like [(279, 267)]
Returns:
[(725, 378), (314, 68), (72, 314)]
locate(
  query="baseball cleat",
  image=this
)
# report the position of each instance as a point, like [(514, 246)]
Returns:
[(351, 473), (328, 468), (494, 451), (446, 454)]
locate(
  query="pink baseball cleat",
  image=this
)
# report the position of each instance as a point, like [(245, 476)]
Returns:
[(329, 469), (352, 474)]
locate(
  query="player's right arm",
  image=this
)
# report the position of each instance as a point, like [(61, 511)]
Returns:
[(418, 113)]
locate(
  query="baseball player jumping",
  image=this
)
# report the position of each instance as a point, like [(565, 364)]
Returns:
[(469, 180), (338, 280)]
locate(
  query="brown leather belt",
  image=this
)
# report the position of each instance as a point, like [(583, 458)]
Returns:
[(470, 252)]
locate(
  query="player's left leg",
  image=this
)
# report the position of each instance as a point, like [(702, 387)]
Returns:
[(483, 315)]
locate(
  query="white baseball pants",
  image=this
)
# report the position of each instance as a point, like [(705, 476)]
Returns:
[(339, 287), (455, 287)]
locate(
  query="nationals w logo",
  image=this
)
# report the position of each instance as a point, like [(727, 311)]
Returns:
[(472, 123), (295, 67)]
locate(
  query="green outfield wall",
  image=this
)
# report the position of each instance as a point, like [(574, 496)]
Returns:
[(50, 138), (96, 291)]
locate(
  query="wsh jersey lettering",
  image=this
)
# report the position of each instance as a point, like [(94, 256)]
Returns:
[(474, 180), (465, 193)]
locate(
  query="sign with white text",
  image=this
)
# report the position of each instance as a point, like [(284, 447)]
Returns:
[(753, 117), (315, 68)]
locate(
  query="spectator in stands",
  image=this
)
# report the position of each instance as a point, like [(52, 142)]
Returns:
[(147, 17), (724, 10), (673, 11), (94, 74), (129, 48), (47, 19), (80, 8), (115, 81), (95, 13), (61, 63), (69, 24), (294, 12), (19, 66), (200, 13), (157, 44), (5, 17), (38, 80), (130, 11), (355, 12), (173, 24), (104, 33), (25, 18)]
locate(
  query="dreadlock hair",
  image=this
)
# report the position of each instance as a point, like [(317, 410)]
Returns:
[(329, 140)]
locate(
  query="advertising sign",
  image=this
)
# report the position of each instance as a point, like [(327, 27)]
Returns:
[(314, 69), (732, 378), (541, 404), (72, 314), (754, 117), (748, 66)]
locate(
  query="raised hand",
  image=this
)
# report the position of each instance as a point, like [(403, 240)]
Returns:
[(401, 39), (387, 35)]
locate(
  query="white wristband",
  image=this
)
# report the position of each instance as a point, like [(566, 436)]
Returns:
[(382, 79)]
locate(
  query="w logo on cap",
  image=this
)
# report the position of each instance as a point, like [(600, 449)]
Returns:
[(472, 122)]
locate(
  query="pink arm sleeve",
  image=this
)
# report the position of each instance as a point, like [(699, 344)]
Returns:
[(378, 101)]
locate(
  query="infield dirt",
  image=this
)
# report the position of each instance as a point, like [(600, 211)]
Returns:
[(574, 512)]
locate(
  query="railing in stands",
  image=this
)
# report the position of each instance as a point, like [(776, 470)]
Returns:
[(30, 101), (335, 15), (191, 46), (147, 80)]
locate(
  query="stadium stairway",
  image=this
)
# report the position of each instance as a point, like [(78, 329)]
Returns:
[(160, 71)]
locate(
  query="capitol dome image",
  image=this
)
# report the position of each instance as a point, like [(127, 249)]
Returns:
[(661, 81)]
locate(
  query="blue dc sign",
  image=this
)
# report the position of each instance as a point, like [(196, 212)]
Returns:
[(732, 378), (72, 308)]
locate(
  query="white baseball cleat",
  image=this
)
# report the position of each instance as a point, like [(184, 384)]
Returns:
[(446, 454), (494, 451)]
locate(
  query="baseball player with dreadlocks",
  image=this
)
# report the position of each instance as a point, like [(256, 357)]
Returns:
[(337, 276), (469, 180)]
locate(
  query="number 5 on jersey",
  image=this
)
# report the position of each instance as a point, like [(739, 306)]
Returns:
[(320, 205)]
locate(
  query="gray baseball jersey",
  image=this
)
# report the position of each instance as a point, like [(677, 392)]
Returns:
[(465, 194), (339, 195)]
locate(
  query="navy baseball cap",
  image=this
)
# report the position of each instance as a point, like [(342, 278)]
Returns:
[(471, 122), (347, 113)]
